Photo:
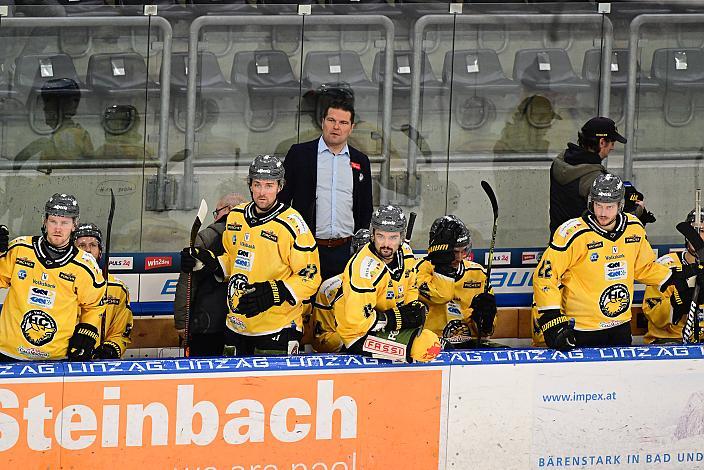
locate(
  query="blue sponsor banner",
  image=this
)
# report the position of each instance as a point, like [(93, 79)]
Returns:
[(325, 362)]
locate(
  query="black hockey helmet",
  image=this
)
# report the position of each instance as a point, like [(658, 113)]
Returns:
[(607, 188), (389, 219), (89, 230), (360, 238), (266, 167), (63, 205), (452, 222), (690, 218)]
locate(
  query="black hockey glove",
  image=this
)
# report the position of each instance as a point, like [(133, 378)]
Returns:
[(679, 276), (457, 333), (261, 296), (558, 330), (107, 350), (631, 199), (681, 300), (82, 343), (410, 315), (190, 258), (647, 217), (441, 251), (483, 312), (4, 238)]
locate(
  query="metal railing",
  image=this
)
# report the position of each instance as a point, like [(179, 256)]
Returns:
[(299, 20), (165, 82), (475, 19), (636, 24)]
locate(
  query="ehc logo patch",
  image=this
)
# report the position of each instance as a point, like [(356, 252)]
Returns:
[(38, 327), (615, 300)]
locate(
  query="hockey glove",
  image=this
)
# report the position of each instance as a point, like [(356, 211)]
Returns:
[(457, 333), (680, 274), (647, 217), (558, 330), (82, 343), (4, 238), (631, 198), (441, 251), (195, 259), (483, 312), (107, 350), (410, 315), (261, 296)]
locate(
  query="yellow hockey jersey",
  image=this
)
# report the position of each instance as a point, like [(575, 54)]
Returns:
[(324, 337), (46, 299), (658, 309), (449, 299), (118, 315), (279, 246), (368, 286), (597, 270)]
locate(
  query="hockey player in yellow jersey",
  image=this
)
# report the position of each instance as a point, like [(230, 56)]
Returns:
[(379, 313), (667, 311), (320, 324), (117, 324), (52, 310), (583, 285), (453, 287), (271, 261)]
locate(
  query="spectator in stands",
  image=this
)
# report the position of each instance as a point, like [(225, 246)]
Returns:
[(208, 307), (453, 287), (123, 139), (69, 140), (330, 184), (583, 285), (271, 262), (379, 313), (665, 312), (116, 321), (526, 130)]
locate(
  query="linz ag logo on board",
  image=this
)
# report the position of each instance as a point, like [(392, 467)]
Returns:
[(156, 262)]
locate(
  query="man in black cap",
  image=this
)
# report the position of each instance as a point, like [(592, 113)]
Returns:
[(574, 170)]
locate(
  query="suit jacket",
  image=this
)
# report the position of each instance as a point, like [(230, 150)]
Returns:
[(302, 178)]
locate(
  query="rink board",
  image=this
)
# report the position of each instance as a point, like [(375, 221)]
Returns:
[(505, 409)]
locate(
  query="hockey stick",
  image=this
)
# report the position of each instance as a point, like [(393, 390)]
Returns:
[(106, 265), (691, 327), (495, 209), (200, 217), (409, 227)]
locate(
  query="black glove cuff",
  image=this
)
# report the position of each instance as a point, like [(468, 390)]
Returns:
[(86, 329), (109, 350)]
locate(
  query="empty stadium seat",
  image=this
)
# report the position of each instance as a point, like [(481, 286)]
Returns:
[(89, 8), (547, 70), (34, 70), (478, 70), (119, 74), (223, 7), (403, 63), (169, 9), (619, 70), (210, 84), (264, 73), (336, 67), (680, 69), (264, 77)]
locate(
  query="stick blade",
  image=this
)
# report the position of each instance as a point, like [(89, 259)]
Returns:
[(492, 197), (692, 236), (200, 218)]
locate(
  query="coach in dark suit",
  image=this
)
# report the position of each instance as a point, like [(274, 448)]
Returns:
[(330, 184)]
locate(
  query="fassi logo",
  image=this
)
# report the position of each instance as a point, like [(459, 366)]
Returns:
[(155, 262)]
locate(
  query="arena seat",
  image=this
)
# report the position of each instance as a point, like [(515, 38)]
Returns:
[(34, 70), (89, 8), (169, 9), (211, 83), (329, 67), (403, 72), (477, 71), (223, 7), (119, 74), (679, 71), (547, 70), (619, 70), (264, 77)]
